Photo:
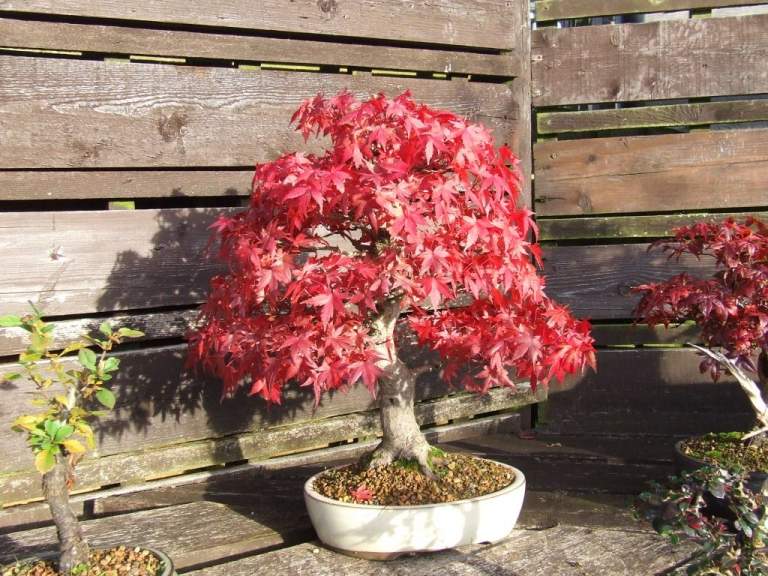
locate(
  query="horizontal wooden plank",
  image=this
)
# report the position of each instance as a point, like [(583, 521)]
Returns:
[(562, 550), (482, 23), (81, 262), (697, 114), (65, 113), (155, 325), (564, 9), (596, 281), (191, 534), (651, 61), (695, 171), (125, 40), (185, 455), (613, 227), (123, 184), (643, 335), (653, 391)]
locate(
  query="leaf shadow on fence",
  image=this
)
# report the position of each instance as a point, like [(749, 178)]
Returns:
[(160, 400)]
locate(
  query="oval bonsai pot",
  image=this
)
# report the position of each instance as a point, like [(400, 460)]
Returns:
[(166, 562), (382, 531)]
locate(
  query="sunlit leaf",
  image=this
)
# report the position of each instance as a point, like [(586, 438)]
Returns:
[(106, 398), (45, 461)]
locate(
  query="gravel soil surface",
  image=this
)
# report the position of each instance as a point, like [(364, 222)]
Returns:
[(120, 561), (457, 477)]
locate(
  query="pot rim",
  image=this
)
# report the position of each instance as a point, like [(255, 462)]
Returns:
[(310, 492), (167, 563)]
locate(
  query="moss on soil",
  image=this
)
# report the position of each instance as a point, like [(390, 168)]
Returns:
[(727, 450), (457, 477), (120, 561)]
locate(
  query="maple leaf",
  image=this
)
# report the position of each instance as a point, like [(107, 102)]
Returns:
[(361, 494)]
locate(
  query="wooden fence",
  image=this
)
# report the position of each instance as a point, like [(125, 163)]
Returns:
[(126, 127), (641, 127)]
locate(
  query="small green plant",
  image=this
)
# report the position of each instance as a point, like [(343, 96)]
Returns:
[(70, 391), (715, 509)]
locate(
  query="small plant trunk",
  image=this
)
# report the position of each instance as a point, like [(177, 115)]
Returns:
[(73, 548), (402, 437)]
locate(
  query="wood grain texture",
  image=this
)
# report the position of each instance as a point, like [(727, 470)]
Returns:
[(522, 89), (60, 113), (642, 334), (697, 114), (652, 61), (562, 550), (181, 455), (636, 226), (596, 281), (80, 262), (699, 170), (123, 184), (125, 40), (653, 391), (563, 9), (191, 534), (481, 23)]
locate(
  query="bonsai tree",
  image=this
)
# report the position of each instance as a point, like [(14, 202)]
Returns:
[(730, 307), (69, 395), (408, 209)]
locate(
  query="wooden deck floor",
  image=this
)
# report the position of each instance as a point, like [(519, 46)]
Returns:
[(575, 520)]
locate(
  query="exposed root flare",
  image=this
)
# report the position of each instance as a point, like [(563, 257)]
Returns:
[(417, 451)]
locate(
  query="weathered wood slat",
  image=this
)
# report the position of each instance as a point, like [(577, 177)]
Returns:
[(81, 262), (652, 391), (175, 43), (652, 61), (63, 113), (191, 534), (155, 325), (563, 9), (140, 466), (123, 184), (642, 334), (562, 550), (697, 114), (596, 281), (695, 171), (522, 89), (605, 227), (482, 23)]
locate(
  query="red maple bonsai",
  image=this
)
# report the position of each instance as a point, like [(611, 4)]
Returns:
[(730, 307), (409, 208)]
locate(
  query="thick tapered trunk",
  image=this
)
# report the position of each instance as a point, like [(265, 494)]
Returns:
[(73, 548), (402, 438)]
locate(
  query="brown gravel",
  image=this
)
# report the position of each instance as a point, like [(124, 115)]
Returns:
[(120, 561), (727, 449), (459, 476)]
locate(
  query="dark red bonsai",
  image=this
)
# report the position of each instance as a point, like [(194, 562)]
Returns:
[(730, 307), (409, 208)]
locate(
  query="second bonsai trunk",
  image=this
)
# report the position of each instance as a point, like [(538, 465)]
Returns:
[(73, 548)]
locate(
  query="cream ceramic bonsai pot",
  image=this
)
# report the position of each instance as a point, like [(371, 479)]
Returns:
[(370, 530)]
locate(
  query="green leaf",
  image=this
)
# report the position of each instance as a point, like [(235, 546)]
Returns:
[(29, 357), (64, 432), (10, 322), (106, 398), (130, 333), (111, 364), (106, 328), (87, 358), (10, 376), (45, 461)]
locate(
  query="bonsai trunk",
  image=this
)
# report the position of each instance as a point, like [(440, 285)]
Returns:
[(72, 545), (402, 438)]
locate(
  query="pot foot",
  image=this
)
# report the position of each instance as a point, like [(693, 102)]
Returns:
[(375, 556)]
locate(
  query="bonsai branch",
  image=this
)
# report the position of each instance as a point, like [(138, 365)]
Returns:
[(749, 386)]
